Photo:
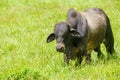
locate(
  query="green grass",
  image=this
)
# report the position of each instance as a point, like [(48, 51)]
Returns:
[(24, 53)]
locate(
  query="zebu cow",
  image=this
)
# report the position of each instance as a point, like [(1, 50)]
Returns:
[(82, 33)]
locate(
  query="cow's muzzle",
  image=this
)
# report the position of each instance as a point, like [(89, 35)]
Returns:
[(60, 47)]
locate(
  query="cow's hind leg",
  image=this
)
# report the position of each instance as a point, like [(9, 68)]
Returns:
[(98, 50), (88, 56)]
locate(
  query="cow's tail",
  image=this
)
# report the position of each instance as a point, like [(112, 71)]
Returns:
[(109, 39)]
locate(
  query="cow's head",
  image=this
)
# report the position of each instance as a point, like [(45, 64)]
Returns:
[(63, 35)]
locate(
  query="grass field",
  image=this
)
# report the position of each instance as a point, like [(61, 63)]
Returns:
[(24, 53)]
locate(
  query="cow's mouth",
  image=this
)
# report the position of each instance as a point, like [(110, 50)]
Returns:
[(60, 50)]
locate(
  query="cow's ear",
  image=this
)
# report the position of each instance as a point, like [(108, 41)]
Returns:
[(51, 37), (74, 33)]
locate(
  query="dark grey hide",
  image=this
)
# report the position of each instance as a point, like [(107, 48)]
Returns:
[(82, 33)]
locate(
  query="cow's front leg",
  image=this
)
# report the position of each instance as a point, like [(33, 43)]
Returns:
[(79, 60), (66, 60), (80, 57)]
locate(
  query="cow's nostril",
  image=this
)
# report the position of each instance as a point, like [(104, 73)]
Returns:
[(59, 48)]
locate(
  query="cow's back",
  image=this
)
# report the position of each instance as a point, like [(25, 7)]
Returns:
[(96, 19)]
